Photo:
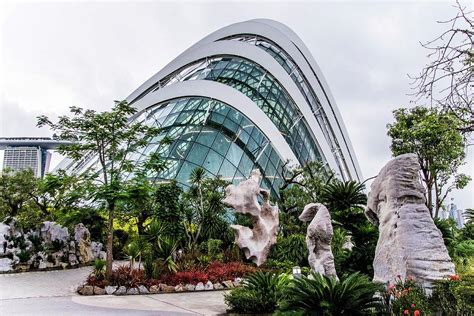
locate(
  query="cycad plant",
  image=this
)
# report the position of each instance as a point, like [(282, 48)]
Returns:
[(354, 294), (260, 293)]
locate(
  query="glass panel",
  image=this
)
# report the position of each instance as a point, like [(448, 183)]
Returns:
[(197, 154), (221, 144), (206, 137), (234, 154), (227, 170), (213, 162), (185, 171)]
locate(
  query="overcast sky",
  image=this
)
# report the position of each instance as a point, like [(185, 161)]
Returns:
[(57, 54)]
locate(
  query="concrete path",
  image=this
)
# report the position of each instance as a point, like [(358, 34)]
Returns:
[(53, 293)]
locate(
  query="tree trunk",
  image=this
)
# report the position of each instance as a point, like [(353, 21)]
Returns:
[(429, 200), (110, 241)]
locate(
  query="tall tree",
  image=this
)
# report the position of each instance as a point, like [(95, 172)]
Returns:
[(435, 138), (15, 188), (448, 78), (112, 138)]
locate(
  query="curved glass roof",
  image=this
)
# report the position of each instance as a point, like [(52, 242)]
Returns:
[(213, 135)]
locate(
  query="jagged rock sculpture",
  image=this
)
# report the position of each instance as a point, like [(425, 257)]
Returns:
[(50, 231), (318, 239), (409, 242), (97, 250), (256, 242), (83, 241)]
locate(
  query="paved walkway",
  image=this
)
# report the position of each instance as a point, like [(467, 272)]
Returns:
[(53, 293)]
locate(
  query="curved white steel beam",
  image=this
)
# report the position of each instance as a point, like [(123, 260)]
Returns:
[(228, 95), (261, 58)]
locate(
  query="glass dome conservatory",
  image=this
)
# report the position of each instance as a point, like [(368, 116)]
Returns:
[(248, 96)]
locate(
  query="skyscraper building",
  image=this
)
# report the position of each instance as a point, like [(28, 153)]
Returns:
[(248, 96), (21, 153)]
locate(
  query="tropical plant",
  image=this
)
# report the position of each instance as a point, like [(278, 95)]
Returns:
[(260, 293), (460, 249), (291, 249), (165, 252), (205, 215), (99, 268), (322, 295), (345, 201), (133, 251), (340, 195), (214, 250), (340, 248), (15, 188)]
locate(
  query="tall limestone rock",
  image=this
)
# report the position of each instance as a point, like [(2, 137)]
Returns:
[(409, 242)]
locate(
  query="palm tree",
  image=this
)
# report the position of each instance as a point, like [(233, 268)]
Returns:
[(469, 215), (341, 196)]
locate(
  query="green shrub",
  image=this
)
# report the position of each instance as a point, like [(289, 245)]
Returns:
[(214, 249), (57, 244), (292, 248), (24, 256), (455, 295), (322, 295), (148, 264), (260, 293), (408, 296), (36, 240), (99, 268), (120, 241)]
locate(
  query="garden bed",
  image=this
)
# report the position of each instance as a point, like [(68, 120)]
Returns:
[(127, 281)]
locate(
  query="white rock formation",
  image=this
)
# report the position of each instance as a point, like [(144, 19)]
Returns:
[(6, 264), (243, 198), (409, 242), (318, 239), (4, 233), (83, 241), (50, 231), (97, 250)]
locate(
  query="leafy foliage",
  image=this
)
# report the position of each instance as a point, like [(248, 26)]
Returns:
[(339, 195), (24, 256), (322, 295), (112, 138), (291, 249), (302, 186), (260, 293), (454, 296), (346, 201), (460, 247), (435, 138), (205, 215), (407, 295), (99, 268)]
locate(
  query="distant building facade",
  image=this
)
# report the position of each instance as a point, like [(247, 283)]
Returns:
[(451, 211), (22, 153)]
